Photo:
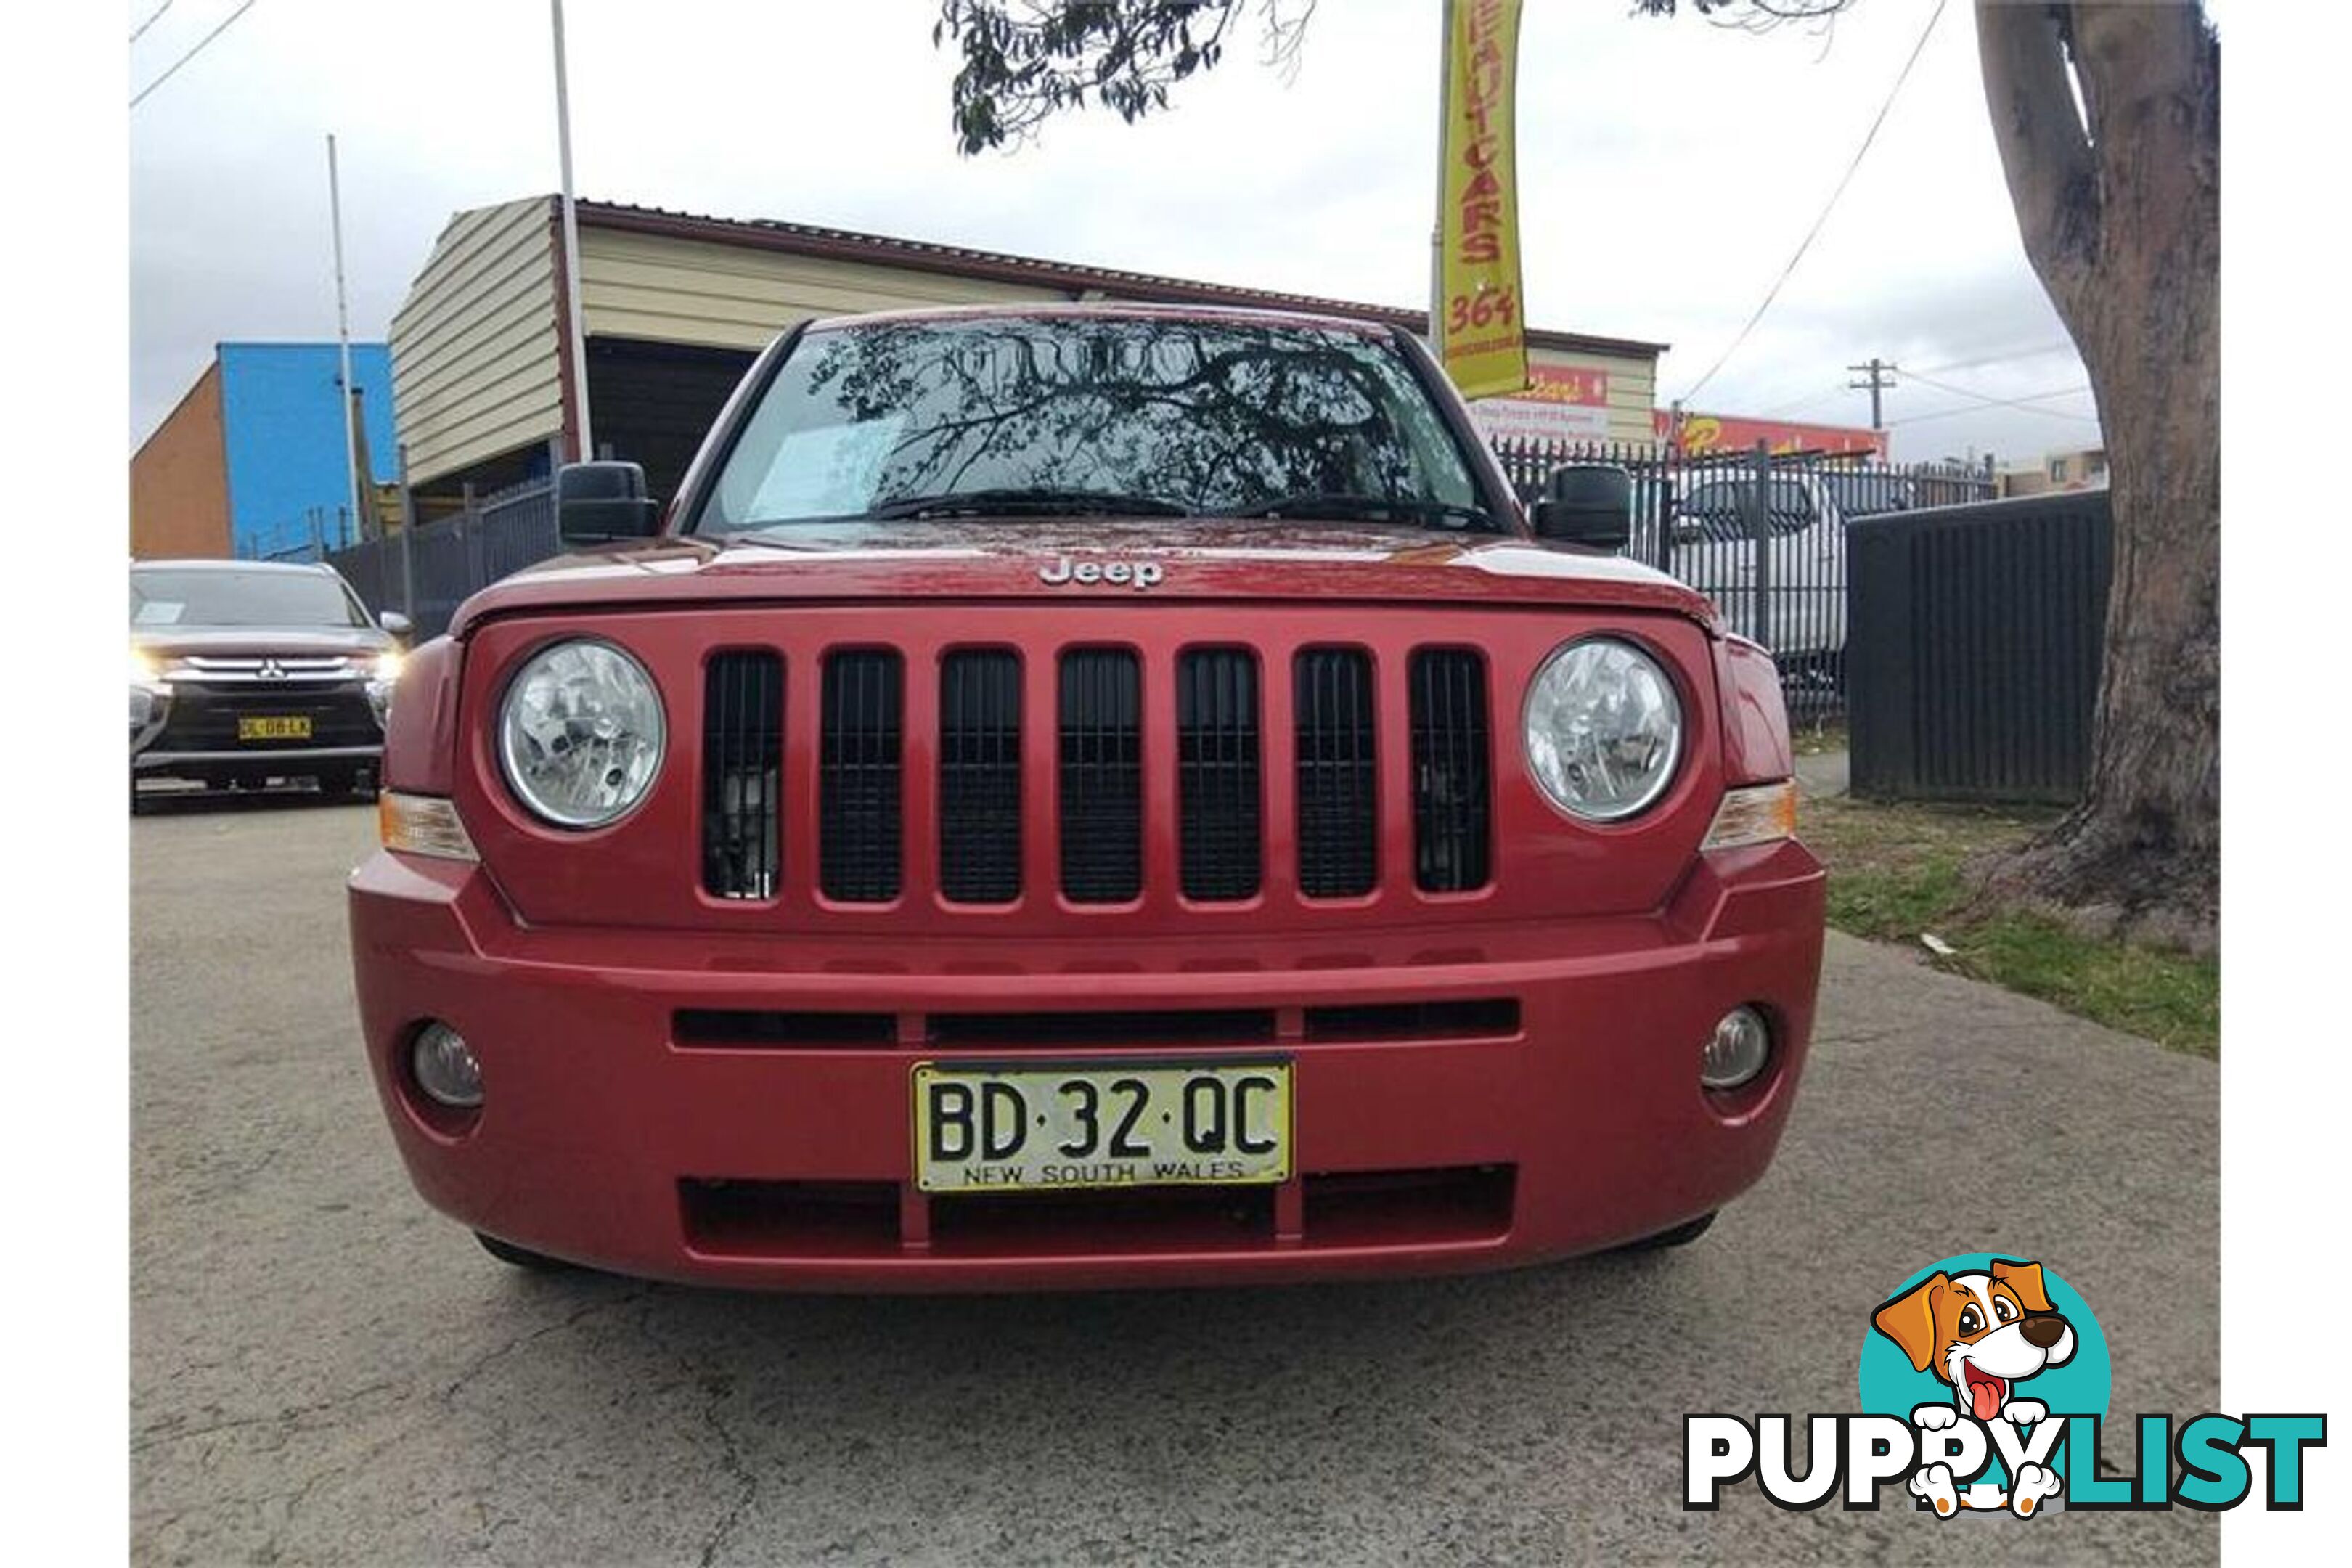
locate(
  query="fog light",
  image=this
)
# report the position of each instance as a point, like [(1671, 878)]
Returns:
[(1736, 1053), (445, 1067)]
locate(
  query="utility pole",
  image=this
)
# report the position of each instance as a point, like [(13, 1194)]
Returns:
[(1881, 377)]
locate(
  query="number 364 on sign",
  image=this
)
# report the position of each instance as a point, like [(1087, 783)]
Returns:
[(1490, 308)]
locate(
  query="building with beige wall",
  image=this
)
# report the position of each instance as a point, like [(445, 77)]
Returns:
[(675, 307), (2084, 469)]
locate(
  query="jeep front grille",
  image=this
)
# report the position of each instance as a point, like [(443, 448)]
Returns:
[(1092, 773), (1102, 776), (742, 773), (858, 777), (1216, 773), (1449, 769), (979, 776), (1339, 825)]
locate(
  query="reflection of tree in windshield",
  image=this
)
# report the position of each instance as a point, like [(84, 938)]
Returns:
[(1213, 415)]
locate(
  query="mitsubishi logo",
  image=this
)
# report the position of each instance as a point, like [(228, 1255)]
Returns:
[(271, 670)]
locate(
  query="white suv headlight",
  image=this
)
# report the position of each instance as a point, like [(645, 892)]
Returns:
[(1604, 729), (581, 734)]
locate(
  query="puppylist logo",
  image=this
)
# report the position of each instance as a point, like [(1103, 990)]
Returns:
[(1984, 1385)]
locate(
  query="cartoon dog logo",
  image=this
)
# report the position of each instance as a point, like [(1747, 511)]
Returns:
[(1983, 1334)]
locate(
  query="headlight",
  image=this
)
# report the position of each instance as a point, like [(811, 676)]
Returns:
[(383, 675), (1603, 729), (146, 670), (581, 734)]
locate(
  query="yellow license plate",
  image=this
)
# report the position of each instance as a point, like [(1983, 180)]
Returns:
[(1055, 1126), (270, 727)]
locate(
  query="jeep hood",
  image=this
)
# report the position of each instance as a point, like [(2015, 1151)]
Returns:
[(1006, 559)]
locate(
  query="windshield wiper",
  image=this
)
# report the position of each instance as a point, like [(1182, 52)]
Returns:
[(1354, 506), (1023, 501)]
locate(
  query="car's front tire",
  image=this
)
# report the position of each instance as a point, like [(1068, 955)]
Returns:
[(521, 1257), (1683, 1234), (348, 783)]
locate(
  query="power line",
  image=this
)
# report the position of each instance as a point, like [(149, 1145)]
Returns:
[(2001, 356), (168, 71), (1978, 400), (1844, 180), (151, 21), (1986, 396), (1791, 406)]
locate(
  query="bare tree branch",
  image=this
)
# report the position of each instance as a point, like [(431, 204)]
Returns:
[(1026, 60)]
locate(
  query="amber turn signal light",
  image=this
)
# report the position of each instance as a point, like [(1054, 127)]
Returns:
[(1758, 814), (421, 825)]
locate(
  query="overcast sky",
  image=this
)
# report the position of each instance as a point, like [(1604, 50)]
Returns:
[(1667, 171)]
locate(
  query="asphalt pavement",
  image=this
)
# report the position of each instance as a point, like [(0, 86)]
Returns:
[(323, 1370)]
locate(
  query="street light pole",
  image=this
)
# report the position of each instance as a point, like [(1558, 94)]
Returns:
[(578, 347)]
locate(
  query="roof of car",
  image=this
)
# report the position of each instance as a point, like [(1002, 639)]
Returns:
[(1101, 310), (310, 568)]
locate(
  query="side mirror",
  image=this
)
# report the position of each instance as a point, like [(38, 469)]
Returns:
[(396, 623), (598, 503), (1587, 503)]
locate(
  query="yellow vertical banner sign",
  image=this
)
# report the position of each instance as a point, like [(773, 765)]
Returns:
[(1480, 334)]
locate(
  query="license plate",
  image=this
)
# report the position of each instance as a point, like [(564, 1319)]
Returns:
[(1041, 1126), (271, 727)]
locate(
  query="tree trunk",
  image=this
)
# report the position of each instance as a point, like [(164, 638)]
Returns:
[(2121, 218)]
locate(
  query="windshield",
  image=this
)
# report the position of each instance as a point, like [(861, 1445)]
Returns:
[(218, 597), (1145, 415), (1719, 508), (1867, 494)]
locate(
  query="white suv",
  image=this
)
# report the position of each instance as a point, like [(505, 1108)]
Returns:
[(1804, 556)]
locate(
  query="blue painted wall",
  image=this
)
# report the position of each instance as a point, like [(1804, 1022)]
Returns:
[(281, 421)]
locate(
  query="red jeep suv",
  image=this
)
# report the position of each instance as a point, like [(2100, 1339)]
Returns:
[(1085, 797)]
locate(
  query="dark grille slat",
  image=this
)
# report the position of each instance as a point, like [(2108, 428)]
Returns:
[(979, 776), (742, 758), (1450, 820), (1101, 733), (858, 777), (1217, 772), (1338, 831)]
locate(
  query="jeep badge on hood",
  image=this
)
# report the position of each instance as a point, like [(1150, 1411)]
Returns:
[(1139, 575)]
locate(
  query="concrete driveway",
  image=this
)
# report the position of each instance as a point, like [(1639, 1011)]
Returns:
[(323, 1370)]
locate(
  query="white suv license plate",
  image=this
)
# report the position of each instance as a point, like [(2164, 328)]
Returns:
[(1056, 1126)]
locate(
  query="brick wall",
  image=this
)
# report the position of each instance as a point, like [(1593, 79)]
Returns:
[(179, 480)]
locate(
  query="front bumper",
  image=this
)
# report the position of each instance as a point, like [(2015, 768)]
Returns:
[(610, 1136), (277, 761), (189, 730)]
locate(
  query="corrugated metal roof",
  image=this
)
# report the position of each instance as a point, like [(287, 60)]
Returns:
[(848, 245)]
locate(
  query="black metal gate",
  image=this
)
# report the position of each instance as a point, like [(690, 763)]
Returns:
[(1978, 636)]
